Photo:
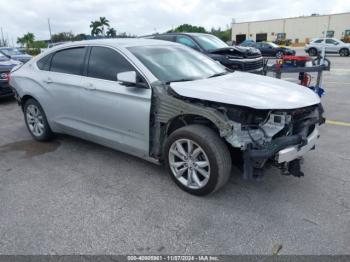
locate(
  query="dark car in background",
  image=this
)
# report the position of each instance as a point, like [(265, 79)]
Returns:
[(6, 65), (15, 54), (269, 49), (233, 57)]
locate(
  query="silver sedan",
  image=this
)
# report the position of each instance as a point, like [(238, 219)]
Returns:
[(169, 104)]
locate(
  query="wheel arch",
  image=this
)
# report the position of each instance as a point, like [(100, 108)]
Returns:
[(346, 49), (25, 98), (189, 119)]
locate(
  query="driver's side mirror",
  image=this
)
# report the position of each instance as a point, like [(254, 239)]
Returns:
[(130, 78)]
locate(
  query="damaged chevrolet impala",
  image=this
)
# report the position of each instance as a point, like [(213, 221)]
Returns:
[(167, 103)]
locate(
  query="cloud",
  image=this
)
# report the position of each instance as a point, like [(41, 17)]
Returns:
[(140, 17)]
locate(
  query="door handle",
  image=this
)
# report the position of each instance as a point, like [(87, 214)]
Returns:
[(89, 86)]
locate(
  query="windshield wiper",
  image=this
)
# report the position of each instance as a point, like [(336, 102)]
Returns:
[(218, 74), (179, 80)]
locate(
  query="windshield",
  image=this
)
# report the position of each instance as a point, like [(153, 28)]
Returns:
[(3, 58), (10, 52), (175, 63), (273, 45), (209, 42)]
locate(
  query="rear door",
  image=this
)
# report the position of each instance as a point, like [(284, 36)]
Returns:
[(331, 46), (62, 82), (263, 49), (115, 114), (269, 49)]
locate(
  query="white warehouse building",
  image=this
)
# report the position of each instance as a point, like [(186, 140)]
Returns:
[(298, 29)]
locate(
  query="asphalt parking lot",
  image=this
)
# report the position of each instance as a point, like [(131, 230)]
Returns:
[(72, 196)]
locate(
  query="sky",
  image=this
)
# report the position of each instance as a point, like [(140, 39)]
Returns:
[(142, 17)]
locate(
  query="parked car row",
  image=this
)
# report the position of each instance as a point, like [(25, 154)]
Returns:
[(167, 103), (6, 64), (269, 49), (15, 54), (234, 57)]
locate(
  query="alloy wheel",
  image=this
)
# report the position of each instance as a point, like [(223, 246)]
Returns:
[(189, 163), (35, 120)]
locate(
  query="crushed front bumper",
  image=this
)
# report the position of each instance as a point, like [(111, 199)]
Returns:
[(294, 152), (284, 152)]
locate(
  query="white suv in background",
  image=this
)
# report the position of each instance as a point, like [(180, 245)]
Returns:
[(333, 46)]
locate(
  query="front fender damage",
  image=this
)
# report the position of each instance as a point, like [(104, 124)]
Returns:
[(259, 141)]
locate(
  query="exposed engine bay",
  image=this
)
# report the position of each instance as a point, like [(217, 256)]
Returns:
[(261, 135)]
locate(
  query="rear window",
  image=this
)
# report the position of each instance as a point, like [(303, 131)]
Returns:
[(44, 63), (69, 61)]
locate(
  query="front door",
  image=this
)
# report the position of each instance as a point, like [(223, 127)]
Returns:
[(115, 114)]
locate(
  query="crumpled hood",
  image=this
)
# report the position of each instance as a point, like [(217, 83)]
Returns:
[(249, 90), (236, 51)]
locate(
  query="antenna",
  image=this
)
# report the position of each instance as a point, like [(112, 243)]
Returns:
[(2, 38)]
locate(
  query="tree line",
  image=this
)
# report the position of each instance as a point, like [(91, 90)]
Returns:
[(101, 29), (224, 35)]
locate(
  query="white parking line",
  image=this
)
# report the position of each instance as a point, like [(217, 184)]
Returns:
[(337, 83)]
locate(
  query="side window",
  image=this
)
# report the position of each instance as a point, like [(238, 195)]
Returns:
[(331, 41), (318, 41), (105, 63), (69, 61), (44, 63), (186, 41)]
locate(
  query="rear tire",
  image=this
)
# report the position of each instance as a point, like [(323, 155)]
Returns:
[(197, 159), (36, 121), (344, 52)]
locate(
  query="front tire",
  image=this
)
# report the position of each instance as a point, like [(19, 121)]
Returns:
[(197, 159), (36, 121)]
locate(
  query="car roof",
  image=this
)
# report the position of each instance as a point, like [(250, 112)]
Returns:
[(184, 33), (319, 38), (118, 42)]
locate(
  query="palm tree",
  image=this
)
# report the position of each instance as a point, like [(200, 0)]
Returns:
[(103, 22), (95, 28), (111, 32), (20, 40), (27, 40)]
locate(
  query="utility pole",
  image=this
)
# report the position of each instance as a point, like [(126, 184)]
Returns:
[(48, 22), (2, 37)]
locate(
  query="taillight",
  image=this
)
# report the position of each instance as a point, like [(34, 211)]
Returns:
[(4, 76)]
